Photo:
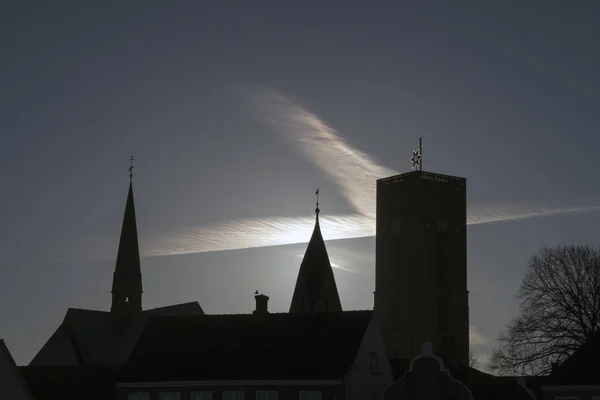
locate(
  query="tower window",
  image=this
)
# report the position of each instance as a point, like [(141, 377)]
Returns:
[(442, 226)]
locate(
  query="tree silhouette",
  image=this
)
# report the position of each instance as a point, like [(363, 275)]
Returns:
[(473, 359), (559, 308)]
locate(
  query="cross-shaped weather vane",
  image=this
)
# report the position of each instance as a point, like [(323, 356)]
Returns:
[(416, 158), (131, 169)]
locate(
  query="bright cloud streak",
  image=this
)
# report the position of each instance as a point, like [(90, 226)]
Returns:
[(354, 171), (260, 232), (264, 232), (486, 214)]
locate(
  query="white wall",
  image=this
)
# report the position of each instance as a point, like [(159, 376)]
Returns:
[(360, 383)]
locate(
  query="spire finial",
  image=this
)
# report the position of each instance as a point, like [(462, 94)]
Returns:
[(131, 169), (417, 158), (317, 209)]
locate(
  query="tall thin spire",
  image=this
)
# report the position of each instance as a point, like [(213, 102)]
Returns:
[(127, 278), (315, 289)]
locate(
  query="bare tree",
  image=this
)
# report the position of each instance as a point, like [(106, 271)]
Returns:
[(559, 308), (473, 359)]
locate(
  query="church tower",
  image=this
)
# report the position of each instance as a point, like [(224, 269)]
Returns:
[(421, 263), (127, 278), (316, 290)]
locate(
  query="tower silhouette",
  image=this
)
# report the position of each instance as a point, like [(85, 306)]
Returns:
[(421, 264)]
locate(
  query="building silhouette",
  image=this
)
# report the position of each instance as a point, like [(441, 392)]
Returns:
[(94, 337), (421, 265), (421, 276), (315, 351)]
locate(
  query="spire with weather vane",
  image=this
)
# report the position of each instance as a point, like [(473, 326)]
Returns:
[(127, 277), (315, 290)]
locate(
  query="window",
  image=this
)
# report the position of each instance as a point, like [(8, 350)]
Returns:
[(567, 397), (204, 395), (374, 364), (170, 396), (138, 396), (310, 395), (233, 395), (266, 395)]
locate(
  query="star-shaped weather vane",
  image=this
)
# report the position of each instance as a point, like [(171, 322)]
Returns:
[(417, 157)]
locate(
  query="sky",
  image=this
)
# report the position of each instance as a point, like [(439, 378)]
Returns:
[(236, 111)]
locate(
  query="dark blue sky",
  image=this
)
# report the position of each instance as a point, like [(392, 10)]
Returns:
[(504, 94)]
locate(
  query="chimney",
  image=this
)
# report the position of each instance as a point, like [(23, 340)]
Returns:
[(261, 304), (554, 366)]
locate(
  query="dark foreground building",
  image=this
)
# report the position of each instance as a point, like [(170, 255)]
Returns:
[(306, 356)]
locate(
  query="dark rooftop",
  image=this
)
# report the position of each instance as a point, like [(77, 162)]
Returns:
[(582, 367), (274, 346), (412, 175)]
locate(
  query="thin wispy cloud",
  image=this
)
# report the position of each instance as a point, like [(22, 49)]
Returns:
[(264, 232), (258, 232), (352, 170), (483, 214)]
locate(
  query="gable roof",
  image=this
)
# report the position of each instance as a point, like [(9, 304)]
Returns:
[(273, 346), (91, 337), (12, 384), (582, 367), (315, 278)]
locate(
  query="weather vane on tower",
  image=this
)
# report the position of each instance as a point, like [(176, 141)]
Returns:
[(417, 158), (131, 169), (317, 194)]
